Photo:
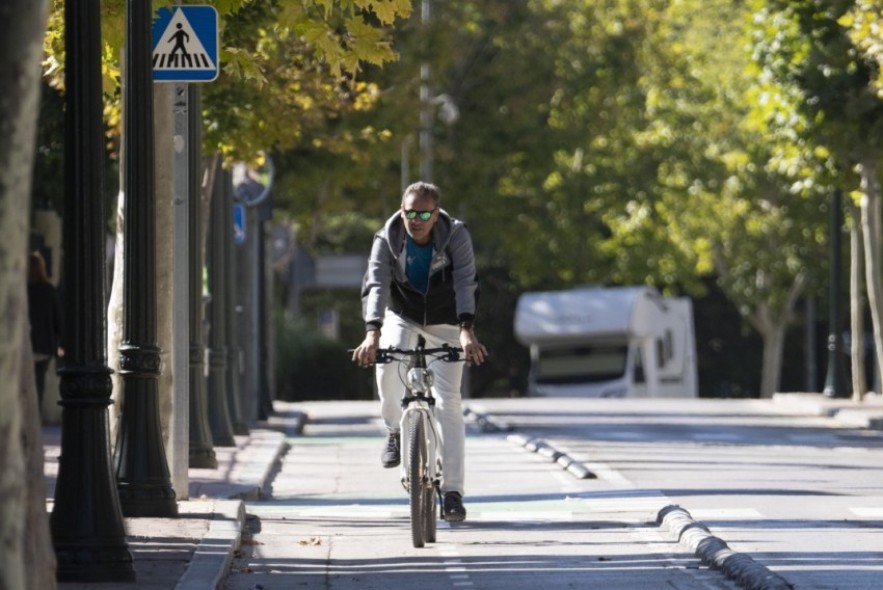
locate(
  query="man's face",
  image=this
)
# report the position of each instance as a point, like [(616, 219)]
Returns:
[(418, 228)]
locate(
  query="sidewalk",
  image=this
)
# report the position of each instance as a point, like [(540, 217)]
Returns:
[(194, 550)]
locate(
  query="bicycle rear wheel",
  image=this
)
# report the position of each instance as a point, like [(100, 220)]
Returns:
[(417, 473)]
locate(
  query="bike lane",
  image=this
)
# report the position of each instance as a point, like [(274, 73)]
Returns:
[(338, 520), (765, 491)]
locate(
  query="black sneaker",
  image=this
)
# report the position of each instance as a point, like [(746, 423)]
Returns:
[(391, 456), (454, 510)]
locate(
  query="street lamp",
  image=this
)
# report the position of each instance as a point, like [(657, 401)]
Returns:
[(86, 522), (142, 470), (447, 109), (219, 234), (835, 382), (255, 198), (202, 452)]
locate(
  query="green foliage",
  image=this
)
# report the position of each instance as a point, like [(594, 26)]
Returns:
[(599, 141), (285, 66), (822, 54)]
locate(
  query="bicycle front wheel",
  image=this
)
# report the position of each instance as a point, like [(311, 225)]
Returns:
[(430, 512), (417, 473)]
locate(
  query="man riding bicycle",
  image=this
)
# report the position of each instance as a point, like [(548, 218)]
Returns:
[(421, 280)]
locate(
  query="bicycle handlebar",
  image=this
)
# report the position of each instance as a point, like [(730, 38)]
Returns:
[(446, 353)]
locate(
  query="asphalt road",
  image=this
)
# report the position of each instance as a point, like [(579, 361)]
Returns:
[(796, 497)]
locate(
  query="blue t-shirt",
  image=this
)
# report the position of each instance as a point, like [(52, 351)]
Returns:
[(417, 261)]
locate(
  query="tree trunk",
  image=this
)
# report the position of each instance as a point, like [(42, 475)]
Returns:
[(211, 167), (26, 560), (773, 346), (772, 326), (39, 552), (856, 305), (870, 206)]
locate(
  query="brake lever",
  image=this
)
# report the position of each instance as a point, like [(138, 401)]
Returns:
[(383, 357)]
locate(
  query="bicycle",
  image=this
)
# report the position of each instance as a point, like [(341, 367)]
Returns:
[(421, 465)]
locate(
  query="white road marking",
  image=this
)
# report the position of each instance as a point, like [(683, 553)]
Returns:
[(454, 566), (699, 514), (868, 512), (527, 516), (609, 475)]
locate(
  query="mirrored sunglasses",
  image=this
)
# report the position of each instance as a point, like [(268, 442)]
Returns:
[(423, 215)]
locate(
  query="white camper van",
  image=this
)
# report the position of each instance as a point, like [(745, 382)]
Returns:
[(608, 342)]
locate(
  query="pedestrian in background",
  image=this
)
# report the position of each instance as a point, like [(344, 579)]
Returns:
[(44, 312)]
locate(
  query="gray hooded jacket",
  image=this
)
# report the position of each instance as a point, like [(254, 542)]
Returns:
[(452, 293)]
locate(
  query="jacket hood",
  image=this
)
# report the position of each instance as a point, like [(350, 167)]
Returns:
[(444, 228)]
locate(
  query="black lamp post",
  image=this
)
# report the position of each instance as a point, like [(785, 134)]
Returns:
[(835, 381), (237, 418), (219, 231), (142, 469), (255, 197), (86, 522), (202, 452), (265, 392)]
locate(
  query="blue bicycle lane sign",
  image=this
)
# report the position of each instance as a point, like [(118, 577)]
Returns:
[(185, 44)]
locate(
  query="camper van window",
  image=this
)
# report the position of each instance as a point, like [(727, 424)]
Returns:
[(580, 364), (661, 357)]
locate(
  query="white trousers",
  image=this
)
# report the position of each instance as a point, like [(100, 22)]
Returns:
[(402, 333)]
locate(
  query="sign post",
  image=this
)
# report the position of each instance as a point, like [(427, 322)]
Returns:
[(184, 50)]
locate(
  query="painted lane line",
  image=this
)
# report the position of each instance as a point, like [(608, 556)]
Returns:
[(710, 513), (872, 512)]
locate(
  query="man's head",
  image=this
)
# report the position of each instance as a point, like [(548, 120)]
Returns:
[(420, 210)]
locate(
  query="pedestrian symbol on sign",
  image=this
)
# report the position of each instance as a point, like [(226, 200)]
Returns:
[(185, 44)]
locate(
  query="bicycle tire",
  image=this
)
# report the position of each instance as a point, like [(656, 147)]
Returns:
[(417, 474), (430, 513)]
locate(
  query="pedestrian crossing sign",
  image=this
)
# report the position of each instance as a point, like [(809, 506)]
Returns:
[(185, 44)]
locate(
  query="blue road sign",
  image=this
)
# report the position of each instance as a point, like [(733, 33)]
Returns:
[(238, 223), (185, 44)]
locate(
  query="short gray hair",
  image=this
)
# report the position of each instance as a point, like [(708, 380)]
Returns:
[(423, 189)]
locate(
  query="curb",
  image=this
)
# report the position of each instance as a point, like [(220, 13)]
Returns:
[(211, 560), (270, 446), (544, 449), (867, 414), (485, 423), (715, 553), (259, 457)]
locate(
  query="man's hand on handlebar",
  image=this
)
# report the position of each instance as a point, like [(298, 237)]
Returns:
[(365, 353), (473, 350)]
